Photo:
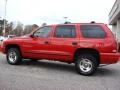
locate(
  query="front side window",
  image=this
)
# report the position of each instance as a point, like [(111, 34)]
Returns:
[(92, 31), (43, 32), (65, 31)]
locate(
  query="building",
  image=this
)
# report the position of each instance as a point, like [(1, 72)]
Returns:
[(114, 19)]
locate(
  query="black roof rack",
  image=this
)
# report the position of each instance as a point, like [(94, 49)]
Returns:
[(92, 22), (67, 22)]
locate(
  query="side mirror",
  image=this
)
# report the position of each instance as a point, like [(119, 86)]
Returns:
[(1, 40), (32, 36)]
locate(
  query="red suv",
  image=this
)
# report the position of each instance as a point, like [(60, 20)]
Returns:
[(86, 44)]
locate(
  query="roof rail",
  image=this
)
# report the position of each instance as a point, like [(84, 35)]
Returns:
[(67, 22), (92, 22)]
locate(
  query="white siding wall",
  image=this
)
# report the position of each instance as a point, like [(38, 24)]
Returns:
[(114, 20), (118, 30), (114, 30)]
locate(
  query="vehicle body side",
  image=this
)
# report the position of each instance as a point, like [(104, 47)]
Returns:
[(65, 49)]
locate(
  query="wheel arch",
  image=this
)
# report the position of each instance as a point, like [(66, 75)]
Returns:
[(12, 46), (94, 52)]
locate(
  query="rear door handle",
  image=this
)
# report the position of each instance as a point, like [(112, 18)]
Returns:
[(46, 42), (74, 43)]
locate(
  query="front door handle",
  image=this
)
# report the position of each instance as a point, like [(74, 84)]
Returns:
[(74, 43)]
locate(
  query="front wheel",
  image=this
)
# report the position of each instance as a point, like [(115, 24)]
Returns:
[(13, 56), (86, 64)]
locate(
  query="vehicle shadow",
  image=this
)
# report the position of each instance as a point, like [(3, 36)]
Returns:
[(50, 65), (107, 72), (64, 67)]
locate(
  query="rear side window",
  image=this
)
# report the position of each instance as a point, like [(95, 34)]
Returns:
[(92, 31), (65, 31)]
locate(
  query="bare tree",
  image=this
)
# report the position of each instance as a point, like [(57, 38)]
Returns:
[(18, 29), (27, 29), (2, 25), (44, 24), (9, 28), (34, 27), (30, 28)]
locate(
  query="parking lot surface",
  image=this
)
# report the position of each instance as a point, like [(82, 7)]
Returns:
[(47, 75)]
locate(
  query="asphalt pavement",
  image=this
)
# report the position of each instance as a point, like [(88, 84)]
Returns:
[(49, 75)]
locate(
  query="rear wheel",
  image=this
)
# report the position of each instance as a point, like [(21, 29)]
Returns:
[(13, 56), (86, 64)]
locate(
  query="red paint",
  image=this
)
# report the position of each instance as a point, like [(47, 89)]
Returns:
[(61, 49)]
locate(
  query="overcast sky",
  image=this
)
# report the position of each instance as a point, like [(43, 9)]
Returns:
[(53, 11)]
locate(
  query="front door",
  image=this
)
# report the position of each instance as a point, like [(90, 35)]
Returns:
[(38, 46)]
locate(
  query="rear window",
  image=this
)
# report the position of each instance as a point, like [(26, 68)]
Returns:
[(92, 31)]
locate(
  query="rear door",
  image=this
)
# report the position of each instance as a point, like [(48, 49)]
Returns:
[(64, 42)]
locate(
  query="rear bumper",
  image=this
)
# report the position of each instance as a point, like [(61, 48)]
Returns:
[(109, 58)]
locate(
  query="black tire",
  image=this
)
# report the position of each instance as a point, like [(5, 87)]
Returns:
[(14, 56), (86, 64)]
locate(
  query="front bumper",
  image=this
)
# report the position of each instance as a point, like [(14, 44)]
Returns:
[(109, 58)]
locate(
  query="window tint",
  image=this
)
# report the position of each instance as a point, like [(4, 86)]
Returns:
[(92, 31), (43, 32), (65, 31)]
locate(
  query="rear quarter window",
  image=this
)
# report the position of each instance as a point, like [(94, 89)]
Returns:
[(92, 31)]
